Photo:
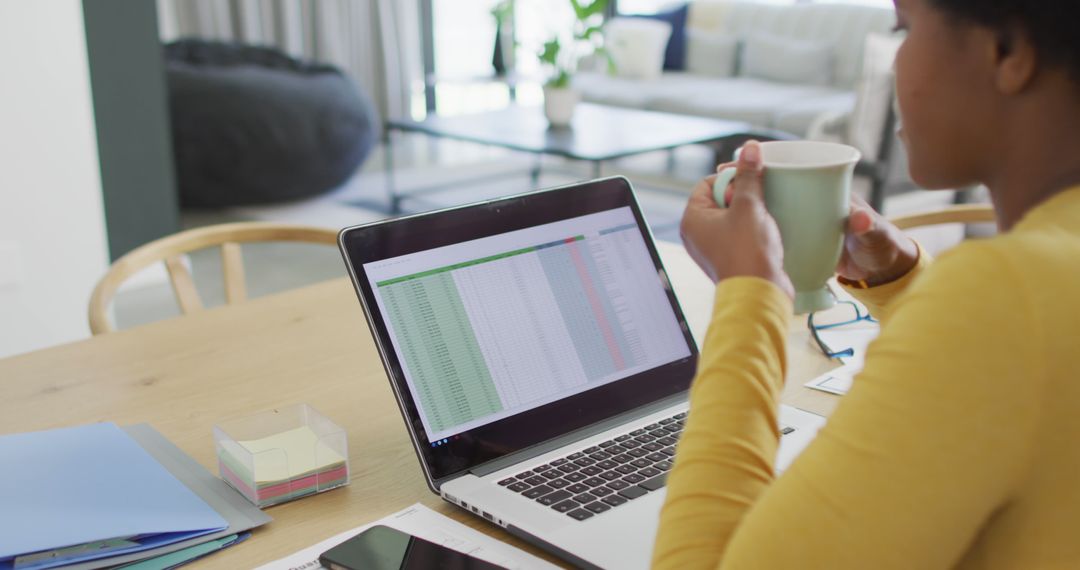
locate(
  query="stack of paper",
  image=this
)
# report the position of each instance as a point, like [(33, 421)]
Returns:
[(87, 493), (282, 467)]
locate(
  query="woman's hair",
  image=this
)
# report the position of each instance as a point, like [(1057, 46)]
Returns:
[(1051, 25)]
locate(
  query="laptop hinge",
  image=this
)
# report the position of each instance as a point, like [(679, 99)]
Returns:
[(505, 461)]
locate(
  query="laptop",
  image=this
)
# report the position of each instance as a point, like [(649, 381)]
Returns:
[(541, 362)]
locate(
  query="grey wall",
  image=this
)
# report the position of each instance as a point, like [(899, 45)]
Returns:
[(132, 121)]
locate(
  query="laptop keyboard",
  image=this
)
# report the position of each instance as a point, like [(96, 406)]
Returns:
[(602, 477)]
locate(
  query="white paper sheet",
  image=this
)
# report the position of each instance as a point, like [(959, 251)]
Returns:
[(425, 523), (856, 336), (837, 381)]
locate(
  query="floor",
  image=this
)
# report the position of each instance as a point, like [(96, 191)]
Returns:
[(471, 172)]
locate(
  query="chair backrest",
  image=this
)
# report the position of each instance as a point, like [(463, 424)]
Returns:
[(171, 250), (871, 126), (962, 214)]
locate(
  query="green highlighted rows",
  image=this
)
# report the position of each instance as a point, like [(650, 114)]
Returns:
[(441, 351), (495, 257)]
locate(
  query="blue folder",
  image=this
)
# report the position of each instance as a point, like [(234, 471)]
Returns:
[(89, 484), (187, 555)]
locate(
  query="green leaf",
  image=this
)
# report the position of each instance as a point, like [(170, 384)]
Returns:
[(503, 11), (561, 80), (597, 7), (579, 11), (550, 53), (591, 31), (612, 69), (585, 11)]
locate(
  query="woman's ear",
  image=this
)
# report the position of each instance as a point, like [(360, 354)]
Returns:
[(1016, 61)]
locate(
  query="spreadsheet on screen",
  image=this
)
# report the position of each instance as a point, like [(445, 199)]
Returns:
[(492, 327)]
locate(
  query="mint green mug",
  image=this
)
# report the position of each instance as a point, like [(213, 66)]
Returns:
[(807, 191)]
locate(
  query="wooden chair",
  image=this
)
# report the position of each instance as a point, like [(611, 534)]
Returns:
[(171, 250), (960, 214), (942, 229)]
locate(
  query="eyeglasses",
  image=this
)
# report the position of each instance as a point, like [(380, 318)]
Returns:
[(844, 314)]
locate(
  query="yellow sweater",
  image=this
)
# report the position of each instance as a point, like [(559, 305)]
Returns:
[(958, 445)]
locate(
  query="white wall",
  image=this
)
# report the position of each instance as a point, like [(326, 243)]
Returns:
[(52, 228)]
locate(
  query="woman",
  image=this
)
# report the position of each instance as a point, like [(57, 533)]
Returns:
[(959, 444)]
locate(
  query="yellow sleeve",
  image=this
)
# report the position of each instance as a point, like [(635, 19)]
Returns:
[(877, 299), (726, 454), (933, 438)]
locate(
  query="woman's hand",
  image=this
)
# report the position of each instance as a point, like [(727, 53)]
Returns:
[(742, 239), (875, 251)]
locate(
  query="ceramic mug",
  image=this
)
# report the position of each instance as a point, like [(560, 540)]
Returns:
[(807, 191)]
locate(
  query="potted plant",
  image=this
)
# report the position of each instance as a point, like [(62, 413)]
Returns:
[(562, 54)]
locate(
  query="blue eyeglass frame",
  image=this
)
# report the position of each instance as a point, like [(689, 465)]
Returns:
[(847, 352)]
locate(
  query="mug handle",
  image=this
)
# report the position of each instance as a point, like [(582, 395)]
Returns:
[(723, 178)]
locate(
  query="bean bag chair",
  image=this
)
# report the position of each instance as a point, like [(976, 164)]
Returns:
[(252, 125)]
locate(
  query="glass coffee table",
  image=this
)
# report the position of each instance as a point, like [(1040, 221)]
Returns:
[(599, 133)]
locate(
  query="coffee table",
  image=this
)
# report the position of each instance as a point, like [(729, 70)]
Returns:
[(598, 133)]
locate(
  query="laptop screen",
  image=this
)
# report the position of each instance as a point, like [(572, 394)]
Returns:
[(503, 324), (507, 323)]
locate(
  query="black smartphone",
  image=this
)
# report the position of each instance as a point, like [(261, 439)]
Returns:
[(383, 548)]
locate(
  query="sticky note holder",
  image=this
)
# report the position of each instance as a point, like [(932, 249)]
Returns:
[(282, 454)]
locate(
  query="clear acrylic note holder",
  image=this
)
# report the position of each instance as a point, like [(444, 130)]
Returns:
[(282, 454)]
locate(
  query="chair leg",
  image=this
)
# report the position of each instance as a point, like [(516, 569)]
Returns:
[(877, 192), (718, 149), (964, 195)]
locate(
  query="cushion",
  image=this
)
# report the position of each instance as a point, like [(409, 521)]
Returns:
[(756, 101), (675, 53), (713, 54), (843, 25), (635, 93), (637, 46), (786, 60), (254, 126)]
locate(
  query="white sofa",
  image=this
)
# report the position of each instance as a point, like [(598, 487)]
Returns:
[(777, 93), (760, 101)]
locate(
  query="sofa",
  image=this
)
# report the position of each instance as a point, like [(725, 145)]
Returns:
[(800, 69)]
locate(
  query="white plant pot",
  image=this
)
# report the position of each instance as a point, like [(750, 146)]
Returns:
[(559, 104)]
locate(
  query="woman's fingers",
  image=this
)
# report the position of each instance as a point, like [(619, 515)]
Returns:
[(702, 196), (724, 165), (874, 249), (742, 240), (747, 181), (870, 234), (860, 221)]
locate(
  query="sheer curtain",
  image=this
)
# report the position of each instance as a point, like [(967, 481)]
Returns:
[(375, 42)]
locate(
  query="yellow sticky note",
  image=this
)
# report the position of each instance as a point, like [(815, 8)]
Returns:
[(290, 454)]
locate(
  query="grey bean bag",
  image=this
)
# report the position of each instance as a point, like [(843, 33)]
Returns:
[(252, 125)]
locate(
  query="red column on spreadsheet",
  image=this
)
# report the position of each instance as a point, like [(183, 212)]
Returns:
[(594, 301)]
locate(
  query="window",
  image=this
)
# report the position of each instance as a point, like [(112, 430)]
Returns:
[(464, 44)]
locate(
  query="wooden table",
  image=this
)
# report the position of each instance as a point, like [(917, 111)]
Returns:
[(308, 345)]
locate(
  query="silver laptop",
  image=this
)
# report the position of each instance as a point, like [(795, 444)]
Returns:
[(541, 362)]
